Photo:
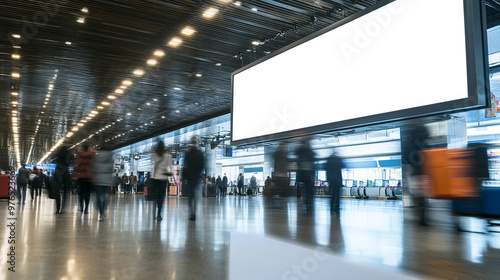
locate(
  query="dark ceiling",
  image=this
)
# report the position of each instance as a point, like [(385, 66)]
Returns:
[(118, 37)]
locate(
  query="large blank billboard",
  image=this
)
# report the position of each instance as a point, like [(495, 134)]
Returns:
[(396, 60)]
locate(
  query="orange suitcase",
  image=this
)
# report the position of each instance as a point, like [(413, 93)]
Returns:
[(450, 172)]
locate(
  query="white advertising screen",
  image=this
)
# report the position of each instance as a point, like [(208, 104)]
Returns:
[(403, 55)]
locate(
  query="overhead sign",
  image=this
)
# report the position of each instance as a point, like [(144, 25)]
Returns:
[(383, 64)]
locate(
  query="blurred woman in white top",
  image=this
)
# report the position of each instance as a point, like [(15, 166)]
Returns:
[(162, 171)]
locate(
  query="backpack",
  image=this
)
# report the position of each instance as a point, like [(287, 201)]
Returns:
[(249, 191)]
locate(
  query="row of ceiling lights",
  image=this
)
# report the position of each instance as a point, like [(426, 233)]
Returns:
[(16, 75), (173, 42), (80, 19)]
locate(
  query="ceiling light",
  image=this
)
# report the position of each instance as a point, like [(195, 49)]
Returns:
[(16, 56), (44, 106), (48, 95), (127, 82), (91, 115), (138, 72), (105, 103), (165, 94), (17, 36), (254, 9), (14, 102), (255, 43), (100, 107), (148, 104), (175, 42), (188, 31), (177, 111), (85, 10), (123, 87), (51, 86), (81, 20), (162, 117), (128, 114), (152, 62), (79, 124), (198, 75), (154, 99), (15, 93), (43, 112), (159, 53), (176, 88), (218, 64), (196, 103), (94, 112), (210, 12), (14, 112), (75, 128), (16, 47), (83, 121), (111, 97), (237, 3), (16, 75)]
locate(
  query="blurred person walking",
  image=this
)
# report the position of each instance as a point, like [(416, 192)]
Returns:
[(124, 183), (194, 163), (416, 136), (23, 179), (61, 179), (224, 185), (132, 182), (82, 172), (162, 171), (305, 170), (102, 174), (333, 168), (241, 183), (218, 183), (280, 175)]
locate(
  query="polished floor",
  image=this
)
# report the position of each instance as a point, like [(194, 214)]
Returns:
[(130, 244)]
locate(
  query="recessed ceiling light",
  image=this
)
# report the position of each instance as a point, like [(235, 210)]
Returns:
[(75, 129), (83, 121), (152, 62), (91, 115), (176, 88), (237, 3), (79, 124), (94, 112), (162, 117), (44, 106), (210, 12), (198, 75), (81, 20), (159, 53), (111, 97), (88, 118), (254, 9), (196, 103), (68, 43), (17, 36), (218, 64), (255, 43), (100, 107), (148, 104), (16, 56), (175, 42), (14, 102), (48, 95), (165, 94), (151, 122), (16, 75), (123, 87), (128, 114), (85, 10), (105, 103), (15, 93), (119, 91), (139, 109), (16, 47), (188, 31), (138, 72), (177, 111), (127, 82), (154, 99)]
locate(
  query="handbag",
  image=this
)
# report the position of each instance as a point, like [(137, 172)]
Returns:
[(168, 167)]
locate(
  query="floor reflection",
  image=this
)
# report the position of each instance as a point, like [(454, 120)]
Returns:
[(131, 244)]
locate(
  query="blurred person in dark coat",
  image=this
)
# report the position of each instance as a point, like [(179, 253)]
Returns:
[(23, 179), (280, 175), (417, 137), (194, 163), (306, 169), (102, 176), (333, 169), (61, 178), (224, 185)]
